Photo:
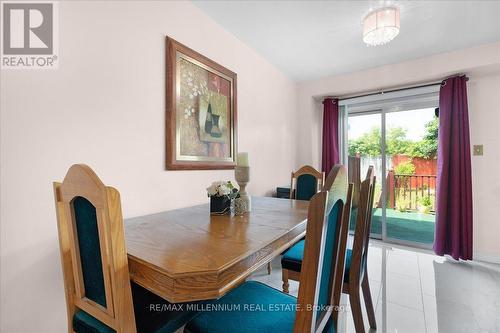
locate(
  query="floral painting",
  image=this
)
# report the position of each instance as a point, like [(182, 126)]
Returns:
[(204, 101), (204, 112)]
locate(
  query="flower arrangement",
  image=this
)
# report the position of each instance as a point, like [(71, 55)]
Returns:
[(222, 188), (221, 193)]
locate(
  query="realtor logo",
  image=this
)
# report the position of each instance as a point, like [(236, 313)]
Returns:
[(29, 37)]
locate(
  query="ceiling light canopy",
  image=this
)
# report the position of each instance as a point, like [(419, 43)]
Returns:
[(381, 26)]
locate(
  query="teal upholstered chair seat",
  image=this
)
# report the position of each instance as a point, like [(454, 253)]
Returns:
[(159, 319), (236, 312), (292, 259)]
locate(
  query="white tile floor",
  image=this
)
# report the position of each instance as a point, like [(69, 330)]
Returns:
[(416, 291)]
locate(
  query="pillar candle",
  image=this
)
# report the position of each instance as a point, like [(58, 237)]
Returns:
[(242, 159)]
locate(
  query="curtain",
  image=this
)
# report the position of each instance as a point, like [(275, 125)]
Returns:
[(454, 184), (330, 134)]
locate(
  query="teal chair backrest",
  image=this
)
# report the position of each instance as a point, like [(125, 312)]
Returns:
[(306, 182), (307, 186), (93, 255), (90, 250), (329, 262), (324, 255)]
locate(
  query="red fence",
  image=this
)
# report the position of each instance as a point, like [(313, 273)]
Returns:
[(422, 166)]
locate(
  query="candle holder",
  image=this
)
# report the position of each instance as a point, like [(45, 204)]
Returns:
[(242, 175)]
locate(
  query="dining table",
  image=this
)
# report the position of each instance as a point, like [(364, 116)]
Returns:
[(187, 254)]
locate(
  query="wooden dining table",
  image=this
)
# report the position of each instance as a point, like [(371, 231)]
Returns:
[(189, 255)]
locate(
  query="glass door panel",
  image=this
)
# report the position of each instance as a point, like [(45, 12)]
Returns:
[(411, 148), (364, 135)]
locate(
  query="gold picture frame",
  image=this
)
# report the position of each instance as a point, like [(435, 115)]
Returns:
[(201, 113)]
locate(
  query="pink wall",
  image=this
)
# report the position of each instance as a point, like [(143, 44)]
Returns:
[(105, 106)]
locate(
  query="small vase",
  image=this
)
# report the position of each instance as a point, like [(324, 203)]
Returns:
[(220, 205), (240, 206)]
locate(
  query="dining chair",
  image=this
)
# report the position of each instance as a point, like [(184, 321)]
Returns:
[(256, 307), (356, 275), (100, 297), (357, 257), (305, 182)]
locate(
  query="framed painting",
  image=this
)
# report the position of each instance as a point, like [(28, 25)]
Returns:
[(201, 111)]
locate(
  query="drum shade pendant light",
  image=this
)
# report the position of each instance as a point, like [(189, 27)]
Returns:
[(381, 26)]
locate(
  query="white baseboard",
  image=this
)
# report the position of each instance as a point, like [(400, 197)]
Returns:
[(486, 258)]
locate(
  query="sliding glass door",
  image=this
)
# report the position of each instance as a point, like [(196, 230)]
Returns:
[(401, 144)]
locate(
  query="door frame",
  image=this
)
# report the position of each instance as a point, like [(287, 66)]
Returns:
[(411, 99)]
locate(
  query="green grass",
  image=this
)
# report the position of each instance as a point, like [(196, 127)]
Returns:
[(412, 226)]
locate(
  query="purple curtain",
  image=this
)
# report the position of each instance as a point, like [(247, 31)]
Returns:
[(330, 134), (454, 184)]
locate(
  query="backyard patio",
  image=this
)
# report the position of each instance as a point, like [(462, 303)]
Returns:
[(406, 226)]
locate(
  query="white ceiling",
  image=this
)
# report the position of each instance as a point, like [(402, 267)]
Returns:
[(312, 39)]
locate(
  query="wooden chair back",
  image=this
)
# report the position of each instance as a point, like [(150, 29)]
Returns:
[(306, 182), (354, 177), (324, 255), (92, 245), (362, 228)]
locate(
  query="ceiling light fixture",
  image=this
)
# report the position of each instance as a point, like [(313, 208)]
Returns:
[(381, 26)]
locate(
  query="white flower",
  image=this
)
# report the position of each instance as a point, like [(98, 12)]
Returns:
[(212, 190), (220, 188), (224, 190)]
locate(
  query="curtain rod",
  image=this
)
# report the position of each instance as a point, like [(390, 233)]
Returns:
[(396, 89), (392, 90)]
